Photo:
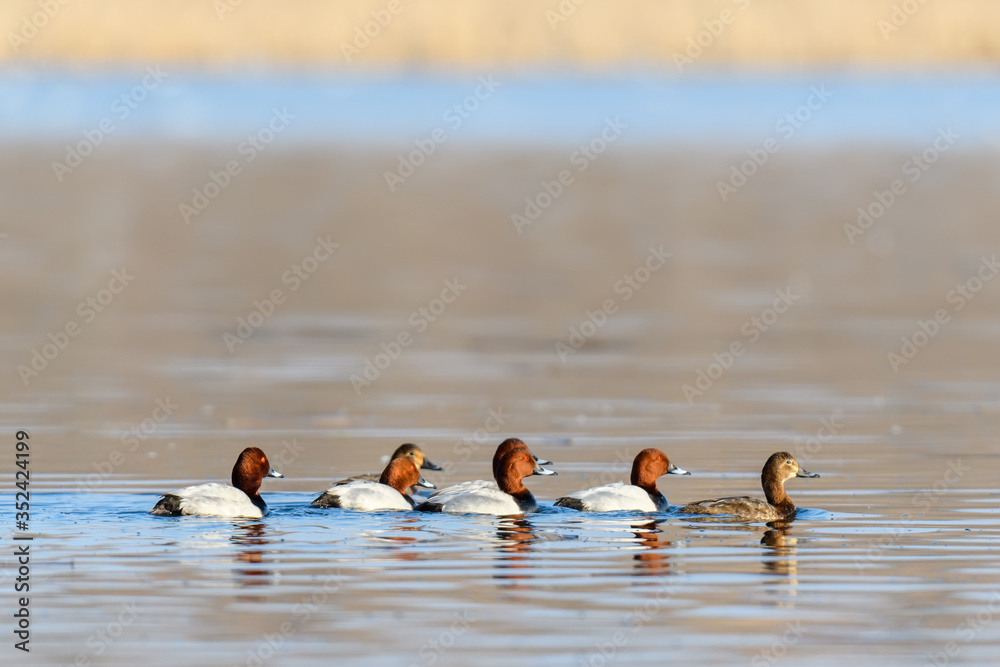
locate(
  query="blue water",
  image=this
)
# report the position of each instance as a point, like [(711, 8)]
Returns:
[(901, 107), (557, 587)]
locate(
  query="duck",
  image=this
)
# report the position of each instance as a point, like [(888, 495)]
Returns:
[(508, 445), (407, 450), (388, 493), (640, 495), (507, 497), (242, 499), (780, 467)]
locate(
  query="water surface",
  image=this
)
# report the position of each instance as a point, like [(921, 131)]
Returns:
[(893, 558)]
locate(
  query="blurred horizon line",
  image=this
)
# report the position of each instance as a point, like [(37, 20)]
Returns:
[(821, 109)]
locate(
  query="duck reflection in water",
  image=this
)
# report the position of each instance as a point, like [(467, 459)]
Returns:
[(652, 557), (250, 538), (396, 543), (514, 539), (779, 557)]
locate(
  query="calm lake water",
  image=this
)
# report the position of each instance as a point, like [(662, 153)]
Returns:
[(773, 325)]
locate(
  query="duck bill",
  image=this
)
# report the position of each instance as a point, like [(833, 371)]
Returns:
[(427, 465), (805, 473), (541, 462), (273, 473), (674, 470), (424, 483), (539, 470)]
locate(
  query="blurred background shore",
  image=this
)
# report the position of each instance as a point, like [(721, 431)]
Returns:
[(599, 34)]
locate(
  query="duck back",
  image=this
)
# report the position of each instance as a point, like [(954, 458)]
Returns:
[(616, 497), (742, 507), (479, 497), (364, 495), (211, 499)]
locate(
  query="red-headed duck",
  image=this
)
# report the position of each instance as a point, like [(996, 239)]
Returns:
[(239, 500), (507, 496), (780, 466), (508, 445), (405, 451), (641, 494), (388, 493)]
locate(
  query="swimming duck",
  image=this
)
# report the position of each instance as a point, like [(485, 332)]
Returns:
[(641, 494), (781, 466), (405, 451), (388, 493), (508, 496), (508, 445), (239, 500)]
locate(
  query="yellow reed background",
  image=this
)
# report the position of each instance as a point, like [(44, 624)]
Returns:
[(508, 33)]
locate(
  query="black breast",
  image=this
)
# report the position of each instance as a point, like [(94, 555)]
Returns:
[(168, 505), (326, 500), (260, 504), (428, 506), (526, 502), (572, 503)]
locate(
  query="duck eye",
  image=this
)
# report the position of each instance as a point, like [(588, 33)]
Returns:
[(788, 462)]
